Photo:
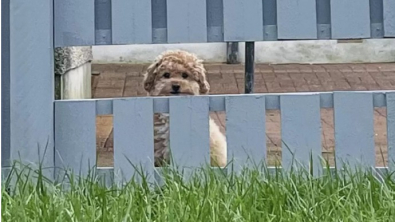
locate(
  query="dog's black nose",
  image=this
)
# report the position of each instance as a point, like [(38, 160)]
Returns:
[(175, 88)]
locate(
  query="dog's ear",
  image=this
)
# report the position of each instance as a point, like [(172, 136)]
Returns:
[(204, 86), (203, 83), (149, 76)]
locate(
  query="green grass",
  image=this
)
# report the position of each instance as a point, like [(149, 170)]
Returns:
[(208, 196)]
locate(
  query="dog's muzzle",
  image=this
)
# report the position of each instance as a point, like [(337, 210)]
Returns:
[(176, 89)]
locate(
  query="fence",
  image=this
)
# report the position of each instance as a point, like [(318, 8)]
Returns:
[(105, 22), (31, 118), (75, 138)]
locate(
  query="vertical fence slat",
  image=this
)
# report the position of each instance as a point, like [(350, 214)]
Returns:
[(389, 18), (270, 20), (131, 22), (243, 20), (245, 130), (215, 20), (296, 19), (376, 19), (189, 131), (350, 19), (6, 84), (391, 129), (133, 139), (75, 136), (186, 21), (323, 19), (28, 57), (74, 23), (159, 21), (103, 22), (354, 129), (301, 131)]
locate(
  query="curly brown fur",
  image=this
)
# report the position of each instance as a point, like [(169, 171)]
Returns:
[(180, 73)]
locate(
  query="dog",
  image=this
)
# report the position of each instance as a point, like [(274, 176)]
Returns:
[(180, 73)]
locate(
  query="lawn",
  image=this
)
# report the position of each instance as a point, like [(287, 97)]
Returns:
[(253, 195)]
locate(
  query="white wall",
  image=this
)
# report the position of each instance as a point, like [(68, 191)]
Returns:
[(322, 51)]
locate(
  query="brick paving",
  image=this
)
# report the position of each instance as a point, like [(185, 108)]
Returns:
[(125, 80)]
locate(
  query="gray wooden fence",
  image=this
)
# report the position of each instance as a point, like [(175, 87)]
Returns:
[(106, 22), (34, 123), (75, 138)]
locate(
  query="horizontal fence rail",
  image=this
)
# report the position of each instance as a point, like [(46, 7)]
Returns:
[(107, 22), (245, 129)]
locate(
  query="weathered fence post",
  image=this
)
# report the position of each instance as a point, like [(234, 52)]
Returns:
[(27, 83)]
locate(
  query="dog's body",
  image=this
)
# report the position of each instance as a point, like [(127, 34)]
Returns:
[(177, 73)]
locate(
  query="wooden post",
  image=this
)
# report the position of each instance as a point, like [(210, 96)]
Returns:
[(28, 83), (249, 67)]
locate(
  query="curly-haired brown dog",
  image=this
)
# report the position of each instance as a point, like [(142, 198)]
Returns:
[(176, 73)]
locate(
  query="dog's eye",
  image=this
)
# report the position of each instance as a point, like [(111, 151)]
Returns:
[(184, 75), (166, 75)]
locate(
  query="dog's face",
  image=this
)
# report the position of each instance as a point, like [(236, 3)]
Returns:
[(176, 73), (174, 80)]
